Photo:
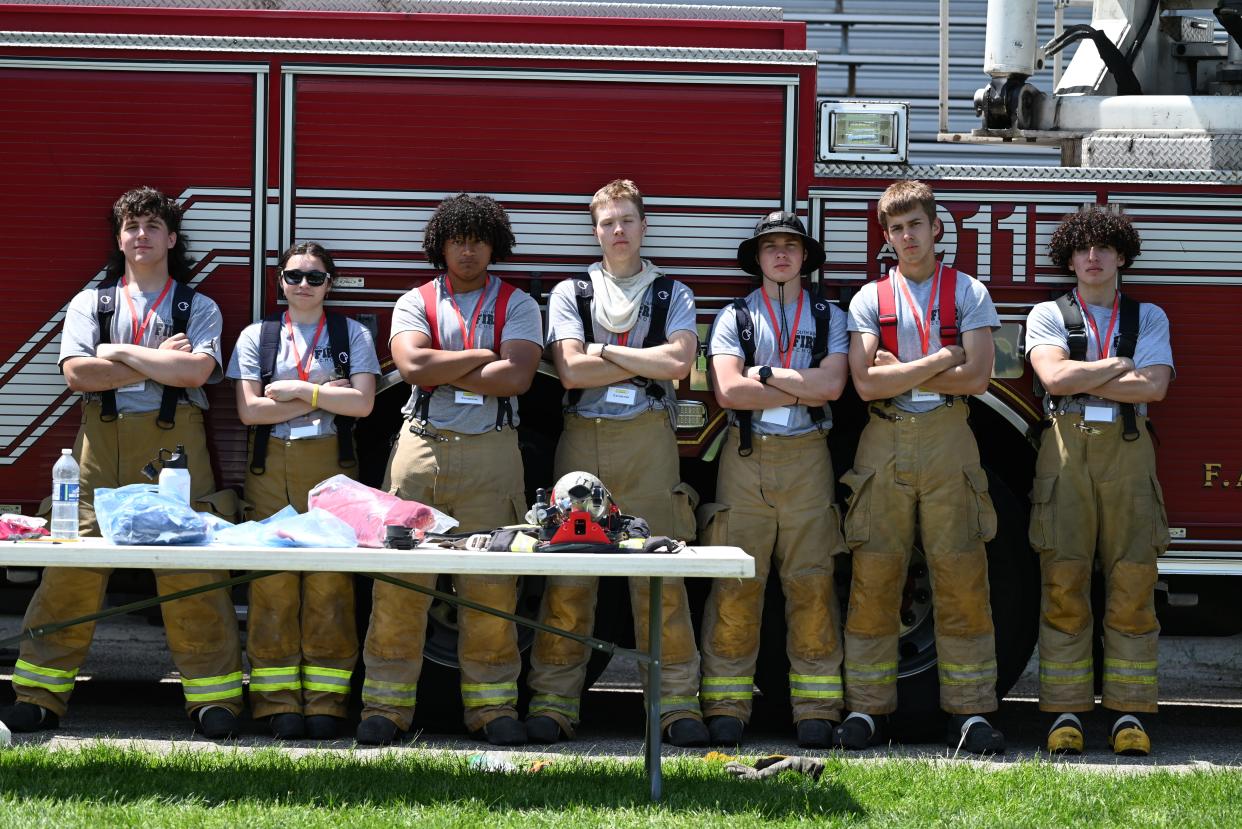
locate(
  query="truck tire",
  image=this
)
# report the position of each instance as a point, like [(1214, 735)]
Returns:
[(1013, 572)]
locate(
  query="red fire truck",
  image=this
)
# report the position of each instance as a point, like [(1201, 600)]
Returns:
[(347, 121)]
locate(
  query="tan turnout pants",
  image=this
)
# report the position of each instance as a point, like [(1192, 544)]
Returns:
[(777, 504), (1096, 498), (201, 629), (638, 462), (919, 472), (301, 635), (476, 479)]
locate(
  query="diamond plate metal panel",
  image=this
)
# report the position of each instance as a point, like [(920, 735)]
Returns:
[(976, 171), (1185, 152)]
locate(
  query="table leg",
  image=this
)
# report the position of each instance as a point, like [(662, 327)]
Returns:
[(655, 636)]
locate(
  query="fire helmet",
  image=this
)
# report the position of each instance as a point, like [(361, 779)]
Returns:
[(584, 492)]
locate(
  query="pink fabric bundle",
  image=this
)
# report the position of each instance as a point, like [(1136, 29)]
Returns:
[(370, 510)]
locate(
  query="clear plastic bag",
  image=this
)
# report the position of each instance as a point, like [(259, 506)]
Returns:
[(288, 528), (138, 514), (369, 510)]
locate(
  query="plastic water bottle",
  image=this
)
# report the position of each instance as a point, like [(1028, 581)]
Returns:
[(65, 496), (175, 476), (6, 736)]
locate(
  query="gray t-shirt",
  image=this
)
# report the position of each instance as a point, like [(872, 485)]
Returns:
[(246, 364), (522, 322), (80, 338), (724, 339), (1046, 326), (565, 324), (974, 310)]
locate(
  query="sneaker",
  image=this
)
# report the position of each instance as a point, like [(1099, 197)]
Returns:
[(322, 727), (688, 732), (503, 731), (215, 722), (816, 734), (1129, 738), (287, 726), (1065, 735), (724, 731), (543, 730), (859, 731), (974, 734), (27, 717), (377, 731)]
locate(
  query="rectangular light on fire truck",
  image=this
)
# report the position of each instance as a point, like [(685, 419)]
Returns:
[(863, 131)]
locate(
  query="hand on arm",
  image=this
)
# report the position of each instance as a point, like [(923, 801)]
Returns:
[(421, 365), (813, 386), (970, 377), (670, 361), (510, 374), (879, 375), (1062, 376), (1142, 385), (95, 374), (174, 363), (580, 369), (736, 388)]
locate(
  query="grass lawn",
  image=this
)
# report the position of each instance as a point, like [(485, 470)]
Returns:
[(105, 785)]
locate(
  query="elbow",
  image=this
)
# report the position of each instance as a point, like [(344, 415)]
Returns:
[(246, 416), (833, 390), (980, 386), (865, 390), (1159, 392), (679, 370), (366, 407)]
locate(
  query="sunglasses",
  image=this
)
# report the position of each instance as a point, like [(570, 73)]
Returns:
[(313, 278)]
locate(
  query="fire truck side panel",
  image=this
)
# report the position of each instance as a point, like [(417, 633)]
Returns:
[(71, 141)]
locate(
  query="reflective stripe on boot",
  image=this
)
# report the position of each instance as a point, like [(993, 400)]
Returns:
[(264, 680), (565, 706), (328, 680), (477, 695), (967, 674), (815, 687), (213, 688), (36, 676), (671, 704), (395, 694), (727, 687)]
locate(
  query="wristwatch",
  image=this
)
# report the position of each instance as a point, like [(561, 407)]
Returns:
[(765, 374)]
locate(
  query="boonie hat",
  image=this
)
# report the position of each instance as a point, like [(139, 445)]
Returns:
[(779, 221)]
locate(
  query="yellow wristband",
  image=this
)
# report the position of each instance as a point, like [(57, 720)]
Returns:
[(315, 397)]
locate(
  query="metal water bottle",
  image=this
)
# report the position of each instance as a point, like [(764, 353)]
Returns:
[(65, 496), (175, 476)]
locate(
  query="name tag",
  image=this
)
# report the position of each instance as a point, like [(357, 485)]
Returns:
[(625, 395), (778, 416), (133, 388), (918, 395), (306, 430), (467, 398), (1098, 413)]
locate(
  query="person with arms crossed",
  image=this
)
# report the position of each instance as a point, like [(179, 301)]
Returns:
[(920, 343), (302, 376), (777, 357), (620, 336), (468, 344), (1101, 357), (139, 348)]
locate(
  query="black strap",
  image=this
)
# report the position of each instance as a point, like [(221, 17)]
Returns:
[(1127, 342), (269, 350), (105, 307), (338, 341), (822, 312), (183, 300), (661, 298), (746, 336)]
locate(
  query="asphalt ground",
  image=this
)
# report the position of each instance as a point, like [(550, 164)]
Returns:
[(128, 691)]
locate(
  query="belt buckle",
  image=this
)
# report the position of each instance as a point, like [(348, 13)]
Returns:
[(1085, 429)]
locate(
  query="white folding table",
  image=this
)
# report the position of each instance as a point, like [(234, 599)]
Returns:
[(708, 562)]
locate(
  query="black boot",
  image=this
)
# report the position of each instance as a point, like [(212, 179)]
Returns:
[(687, 733), (26, 717), (816, 734), (216, 722), (724, 731), (287, 726), (322, 727), (975, 734), (503, 731), (377, 731), (859, 731), (543, 730)]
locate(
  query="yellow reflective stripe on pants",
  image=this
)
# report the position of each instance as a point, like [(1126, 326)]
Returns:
[(568, 706), (389, 693), (668, 704), (211, 688), (1064, 673), (727, 687), (1124, 670), (815, 687), (329, 680), (275, 679), (479, 694), (36, 676), (880, 673), (967, 674)]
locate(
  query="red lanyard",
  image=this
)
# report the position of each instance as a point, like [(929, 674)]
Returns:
[(1101, 346), (136, 329), (624, 338), (467, 336), (787, 349), (304, 372), (923, 325)]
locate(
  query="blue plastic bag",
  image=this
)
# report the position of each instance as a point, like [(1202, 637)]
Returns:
[(138, 514), (288, 528)]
